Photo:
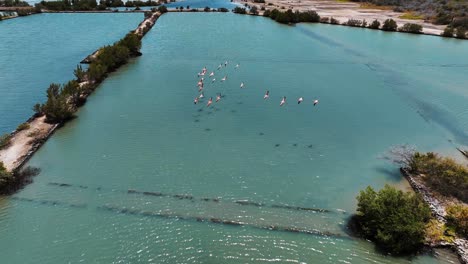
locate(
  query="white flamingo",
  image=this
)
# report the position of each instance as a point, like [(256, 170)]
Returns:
[(242, 85), (267, 95), (218, 97), (211, 74), (300, 100), (316, 102), (201, 96), (224, 78), (283, 101)]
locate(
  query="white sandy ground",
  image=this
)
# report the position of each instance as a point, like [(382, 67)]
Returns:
[(343, 11), (21, 143)]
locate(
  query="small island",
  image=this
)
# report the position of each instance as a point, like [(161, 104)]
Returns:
[(435, 215)]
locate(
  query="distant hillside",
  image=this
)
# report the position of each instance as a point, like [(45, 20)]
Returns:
[(443, 12)]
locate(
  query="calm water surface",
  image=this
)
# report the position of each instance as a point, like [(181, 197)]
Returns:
[(141, 131), (40, 49)]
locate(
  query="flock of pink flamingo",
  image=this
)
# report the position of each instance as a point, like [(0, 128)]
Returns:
[(200, 86)]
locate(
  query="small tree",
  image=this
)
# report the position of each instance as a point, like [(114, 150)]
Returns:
[(389, 25), (457, 216), (394, 220), (254, 10), (162, 9), (460, 33), (375, 24), (411, 28), (448, 32), (79, 73), (37, 108)]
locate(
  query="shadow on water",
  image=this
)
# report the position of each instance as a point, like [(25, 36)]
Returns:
[(401, 85), (391, 174), (192, 218), (204, 199)]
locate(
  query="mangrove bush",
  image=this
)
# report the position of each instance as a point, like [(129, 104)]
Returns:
[(393, 219)]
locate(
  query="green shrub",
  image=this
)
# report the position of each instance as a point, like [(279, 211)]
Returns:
[(162, 9), (389, 25), (334, 21), (223, 9), (460, 33), (5, 176), (443, 175), (239, 10), (23, 126), (457, 217), (411, 28), (290, 17), (56, 107), (375, 24), (448, 32), (254, 10), (354, 23), (5, 140), (394, 220)]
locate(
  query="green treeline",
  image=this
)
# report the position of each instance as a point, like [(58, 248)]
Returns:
[(63, 100), (13, 3), (88, 5), (394, 220), (290, 17)]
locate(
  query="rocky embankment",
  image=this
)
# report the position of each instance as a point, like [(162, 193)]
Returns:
[(437, 206)]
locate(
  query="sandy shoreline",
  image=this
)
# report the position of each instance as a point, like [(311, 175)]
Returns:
[(343, 11)]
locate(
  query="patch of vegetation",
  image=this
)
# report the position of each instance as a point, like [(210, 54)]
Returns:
[(162, 9), (223, 9), (443, 175), (239, 10), (5, 176), (5, 140), (393, 219), (437, 232), (62, 101), (356, 23), (290, 17), (448, 32), (334, 21), (411, 28), (375, 24), (443, 12), (460, 33), (23, 126), (11, 182), (411, 15), (254, 10), (457, 218), (389, 25), (13, 3)]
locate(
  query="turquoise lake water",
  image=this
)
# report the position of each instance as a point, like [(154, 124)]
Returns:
[(141, 132), (40, 49)]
